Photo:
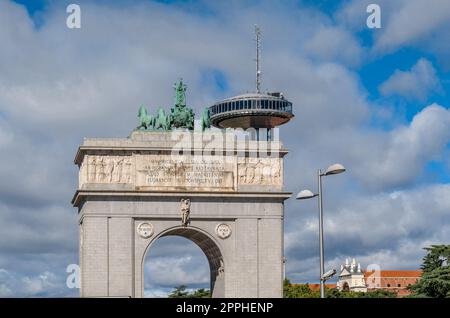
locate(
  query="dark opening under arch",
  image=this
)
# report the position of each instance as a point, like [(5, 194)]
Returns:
[(211, 250)]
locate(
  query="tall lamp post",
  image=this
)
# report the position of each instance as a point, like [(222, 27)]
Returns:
[(307, 194)]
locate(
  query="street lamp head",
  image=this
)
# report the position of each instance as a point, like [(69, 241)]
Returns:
[(329, 274), (334, 169), (305, 194)]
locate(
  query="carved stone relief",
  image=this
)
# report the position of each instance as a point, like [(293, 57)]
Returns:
[(185, 210), (145, 229), (259, 171), (109, 169), (223, 230), (221, 269)]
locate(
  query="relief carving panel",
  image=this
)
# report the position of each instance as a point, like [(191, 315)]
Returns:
[(260, 171), (106, 169)]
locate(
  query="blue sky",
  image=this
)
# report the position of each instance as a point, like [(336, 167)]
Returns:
[(376, 100)]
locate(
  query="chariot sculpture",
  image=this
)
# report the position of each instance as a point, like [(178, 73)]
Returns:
[(180, 116)]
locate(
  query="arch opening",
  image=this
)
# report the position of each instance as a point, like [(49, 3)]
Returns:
[(209, 248), (346, 287)]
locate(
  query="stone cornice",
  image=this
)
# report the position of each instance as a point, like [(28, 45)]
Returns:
[(82, 150), (80, 194)]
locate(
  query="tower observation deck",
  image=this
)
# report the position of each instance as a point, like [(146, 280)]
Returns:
[(252, 110)]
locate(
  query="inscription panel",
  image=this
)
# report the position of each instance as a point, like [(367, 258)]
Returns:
[(201, 173)]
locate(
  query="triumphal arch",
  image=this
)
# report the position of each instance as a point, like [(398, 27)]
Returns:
[(220, 189)]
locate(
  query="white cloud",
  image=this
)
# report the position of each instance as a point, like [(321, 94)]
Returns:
[(420, 24), (376, 159), (390, 229), (334, 44), (157, 292), (174, 261), (6, 136), (398, 157), (177, 270), (417, 83), (33, 229), (59, 85), (43, 284), (414, 20)]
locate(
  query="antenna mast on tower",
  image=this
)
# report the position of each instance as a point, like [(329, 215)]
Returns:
[(255, 110), (258, 70)]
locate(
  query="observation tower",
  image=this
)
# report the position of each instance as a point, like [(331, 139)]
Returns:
[(261, 111)]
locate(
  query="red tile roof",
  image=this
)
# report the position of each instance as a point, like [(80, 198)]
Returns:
[(395, 273), (317, 286)]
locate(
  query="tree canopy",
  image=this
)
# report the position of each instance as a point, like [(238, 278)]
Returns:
[(181, 292), (435, 280), (305, 291)]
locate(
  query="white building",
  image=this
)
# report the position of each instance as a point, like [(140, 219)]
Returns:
[(351, 278)]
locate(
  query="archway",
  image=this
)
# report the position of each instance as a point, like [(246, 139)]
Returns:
[(207, 245), (346, 287)]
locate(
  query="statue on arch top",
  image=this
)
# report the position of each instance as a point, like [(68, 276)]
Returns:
[(180, 115), (180, 94), (146, 121)]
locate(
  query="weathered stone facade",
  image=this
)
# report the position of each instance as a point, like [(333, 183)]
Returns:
[(223, 194)]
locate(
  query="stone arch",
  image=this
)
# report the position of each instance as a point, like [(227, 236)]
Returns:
[(345, 287), (210, 248)]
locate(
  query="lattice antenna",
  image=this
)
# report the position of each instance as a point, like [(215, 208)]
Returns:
[(258, 56)]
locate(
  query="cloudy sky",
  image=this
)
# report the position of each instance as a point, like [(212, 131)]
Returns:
[(375, 100)]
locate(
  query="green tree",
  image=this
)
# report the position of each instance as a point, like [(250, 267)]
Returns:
[(304, 291), (298, 290), (181, 292), (379, 293), (435, 280), (200, 293), (334, 293)]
